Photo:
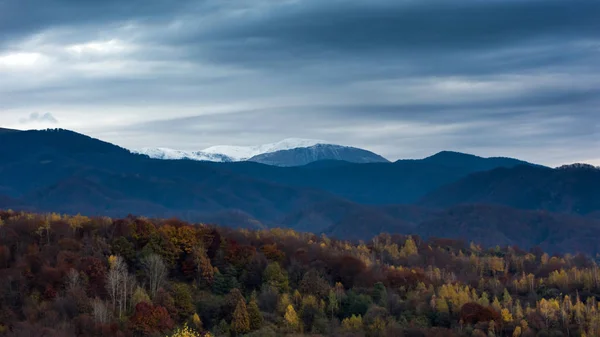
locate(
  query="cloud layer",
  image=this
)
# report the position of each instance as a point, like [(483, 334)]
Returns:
[(36, 117), (403, 78)]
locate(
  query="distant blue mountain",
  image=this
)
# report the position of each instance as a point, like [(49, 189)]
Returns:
[(66, 172), (305, 155)]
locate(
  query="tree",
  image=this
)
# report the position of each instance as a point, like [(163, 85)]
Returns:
[(120, 285), (409, 248), (73, 279), (155, 271), (310, 312), (232, 300), (380, 294), (100, 312), (76, 222), (333, 305), (197, 321), (506, 315), (313, 284), (223, 283), (45, 227), (240, 322), (185, 331), (139, 296), (204, 269), (182, 300), (149, 319), (291, 318), (256, 318), (275, 276), (353, 323)]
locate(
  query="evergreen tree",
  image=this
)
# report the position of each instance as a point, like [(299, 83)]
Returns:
[(380, 294), (256, 318), (240, 322), (276, 277)]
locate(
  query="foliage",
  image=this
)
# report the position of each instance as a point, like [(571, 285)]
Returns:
[(78, 276), (240, 322)]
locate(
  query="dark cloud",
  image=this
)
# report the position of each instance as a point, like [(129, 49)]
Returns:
[(402, 32), (403, 78), (352, 26), (36, 117)]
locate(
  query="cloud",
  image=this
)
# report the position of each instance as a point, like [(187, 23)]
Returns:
[(404, 78), (36, 117)]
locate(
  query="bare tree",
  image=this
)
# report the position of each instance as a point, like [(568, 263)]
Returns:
[(156, 272), (120, 284), (114, 278), (100, 312), (73, 279)]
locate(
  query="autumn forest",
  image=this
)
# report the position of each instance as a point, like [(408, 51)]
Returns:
[(77, 276)]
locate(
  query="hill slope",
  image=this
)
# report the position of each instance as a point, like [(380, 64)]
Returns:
[(500, 225), (404, 181), (570, 189), (64, 171)]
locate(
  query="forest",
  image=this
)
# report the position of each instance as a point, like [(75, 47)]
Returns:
[(64, 275)]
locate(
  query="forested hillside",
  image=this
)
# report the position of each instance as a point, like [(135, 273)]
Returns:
[(79, 276), (488, 200)]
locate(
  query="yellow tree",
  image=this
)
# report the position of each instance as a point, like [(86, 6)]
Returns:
[(185, 331), (352, 324), (506, 315), (197, 321), (76, 222), (548, 309), (45, 226), (409, 248), (291, 318)]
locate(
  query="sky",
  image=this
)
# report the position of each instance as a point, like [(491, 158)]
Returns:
[(403, 78)]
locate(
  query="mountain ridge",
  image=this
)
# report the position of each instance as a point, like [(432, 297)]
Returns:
[(287, 152), (63, 171), (567, 189), (306, 155)]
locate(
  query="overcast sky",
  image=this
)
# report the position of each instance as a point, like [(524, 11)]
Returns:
[(403, 78)]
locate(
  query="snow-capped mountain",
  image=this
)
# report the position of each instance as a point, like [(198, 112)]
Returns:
[(306, 155), (240, 153), (288, 152), (172, 154)]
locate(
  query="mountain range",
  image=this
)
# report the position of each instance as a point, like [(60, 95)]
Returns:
[(449, 194), (288, 152)]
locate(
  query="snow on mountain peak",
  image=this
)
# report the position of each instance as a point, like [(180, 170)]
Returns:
[(246, 152), (172, 154), (228, 153)]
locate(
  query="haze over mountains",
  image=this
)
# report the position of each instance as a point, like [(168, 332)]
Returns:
[(450, 194)]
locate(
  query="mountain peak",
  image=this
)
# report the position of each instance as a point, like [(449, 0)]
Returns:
[(304, 155), (451, 154), (246, 152)]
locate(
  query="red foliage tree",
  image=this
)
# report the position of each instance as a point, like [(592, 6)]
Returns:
[(149, 319), (472, 313), (96, 272)]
